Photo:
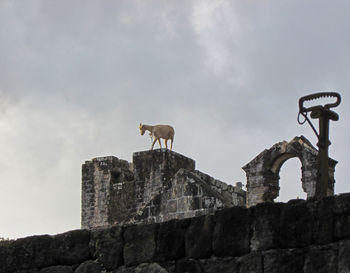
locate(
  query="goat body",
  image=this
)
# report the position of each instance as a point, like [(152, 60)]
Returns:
[(159, 131)]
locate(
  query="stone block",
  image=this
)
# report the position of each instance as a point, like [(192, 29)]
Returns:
[(344, 257), (265, 226), (26, 253), (283, 261), (185, 203), (323, 218), (176, 189), (162, 161), (231, 232), (31, 270), (71, 248), (150, 268), (295, 225), (171, 206), (89, 267), (211, 202), (106, 245), (251, 263), (342, 216), (58, 269), (140, 244), (198, 237), (321, 259), (239, 185), (124, 269), (342, 226), (227, 196), (169, 266), (5, 264), (190, 189), (187, 265), (171, 240), (342, 203), (219, 265)]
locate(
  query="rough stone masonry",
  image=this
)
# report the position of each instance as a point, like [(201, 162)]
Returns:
[(296, 237), (159, 185), (263, 171)]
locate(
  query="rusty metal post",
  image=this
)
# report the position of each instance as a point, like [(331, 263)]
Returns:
[(324, 115)]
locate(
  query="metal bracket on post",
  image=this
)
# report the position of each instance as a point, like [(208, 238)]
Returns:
[(323, 114)]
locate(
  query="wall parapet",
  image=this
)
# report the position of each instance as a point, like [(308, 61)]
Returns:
[(298, 236)]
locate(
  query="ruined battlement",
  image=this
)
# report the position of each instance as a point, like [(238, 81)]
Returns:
[(126, 208), (159, 185)]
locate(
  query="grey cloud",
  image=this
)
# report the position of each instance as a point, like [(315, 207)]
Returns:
[(81, 75)]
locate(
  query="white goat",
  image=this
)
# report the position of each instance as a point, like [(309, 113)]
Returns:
[(159, 131)]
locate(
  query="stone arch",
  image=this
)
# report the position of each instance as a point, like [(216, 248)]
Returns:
[(263, 171)]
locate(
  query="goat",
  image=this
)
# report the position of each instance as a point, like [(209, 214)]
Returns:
[(159, 131)]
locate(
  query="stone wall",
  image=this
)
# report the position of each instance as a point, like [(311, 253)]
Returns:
[(159, 185), (235, 193), (295, 237), (107, 189)]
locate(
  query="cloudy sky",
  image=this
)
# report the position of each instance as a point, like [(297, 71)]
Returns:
[(77, 77)]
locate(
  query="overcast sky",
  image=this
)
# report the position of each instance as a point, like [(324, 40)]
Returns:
[(77, 77)]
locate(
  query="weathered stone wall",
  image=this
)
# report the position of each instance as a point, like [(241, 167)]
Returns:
[(158, 186), (263, 171), (234, 193), (295, 237), (154, 172), (107, 190)]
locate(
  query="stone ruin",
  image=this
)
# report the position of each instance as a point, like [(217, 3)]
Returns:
[(159, 185), (299, 236), (263, 171)]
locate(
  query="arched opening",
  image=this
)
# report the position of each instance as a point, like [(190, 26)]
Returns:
[(268, 176), (290, 181)]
